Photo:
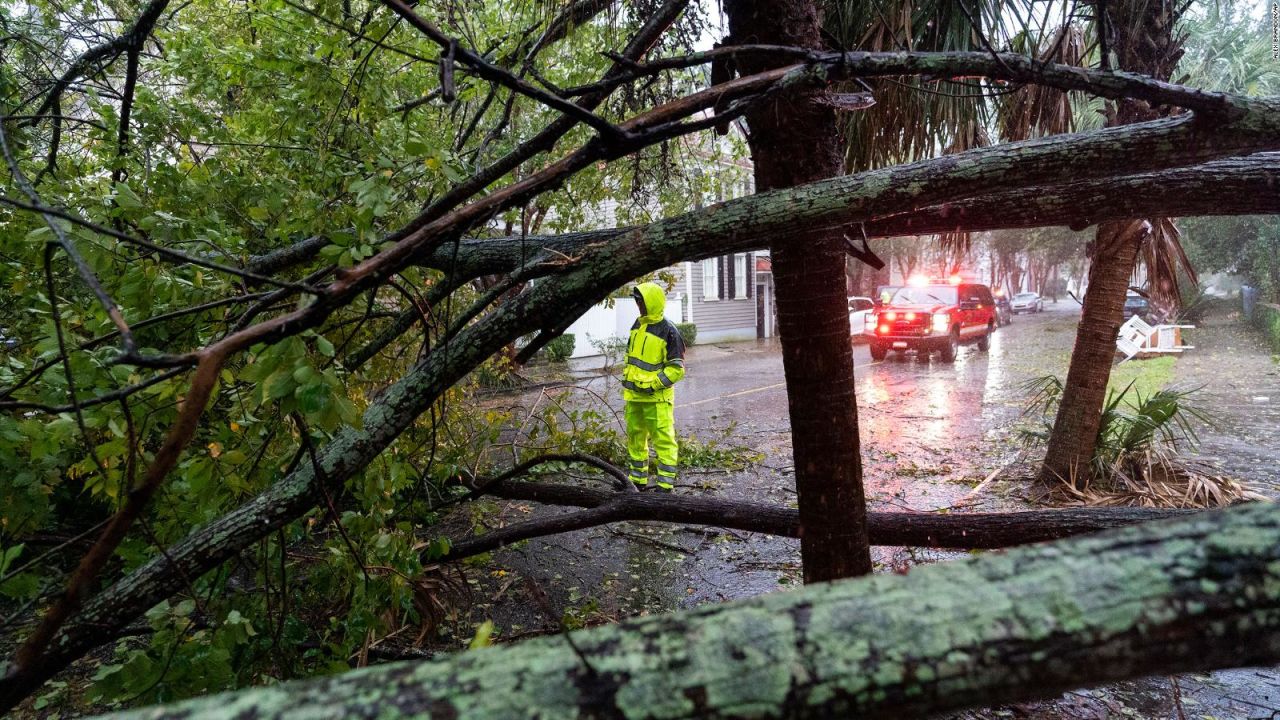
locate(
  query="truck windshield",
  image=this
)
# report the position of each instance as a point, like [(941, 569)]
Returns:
[(928, 295)]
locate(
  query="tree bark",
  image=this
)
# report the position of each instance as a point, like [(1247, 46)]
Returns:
[(1187, 595), (968, 531), (1143, 42), (1075, 429), (794, 141), (1248, 185)]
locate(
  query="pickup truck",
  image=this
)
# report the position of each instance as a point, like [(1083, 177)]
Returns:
[(930, 318)]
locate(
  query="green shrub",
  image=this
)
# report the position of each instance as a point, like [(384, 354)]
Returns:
[(1138, 456), (1267, 319), (688, 331), (497, 372), (561, 348)]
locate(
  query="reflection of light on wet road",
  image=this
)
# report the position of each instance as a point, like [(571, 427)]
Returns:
[(909, 403), (917, 418), (937, 399), (740, 393), (872, 390), (997, 374)]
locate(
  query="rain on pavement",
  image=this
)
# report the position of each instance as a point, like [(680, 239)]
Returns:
[(931, 433)]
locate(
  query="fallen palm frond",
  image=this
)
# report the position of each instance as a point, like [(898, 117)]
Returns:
[(1138, 458), (1157, 478)]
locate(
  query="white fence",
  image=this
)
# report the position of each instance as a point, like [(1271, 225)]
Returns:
[(603, 322)]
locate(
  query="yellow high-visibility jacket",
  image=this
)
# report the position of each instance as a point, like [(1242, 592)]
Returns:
[(655, 351)]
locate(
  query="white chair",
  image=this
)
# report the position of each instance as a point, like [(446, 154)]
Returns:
[(1128, 347), (1168, 338), (1133, 337), (1140, 326)]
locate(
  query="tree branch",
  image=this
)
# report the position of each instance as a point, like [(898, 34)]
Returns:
[(1195, 594), (956, 530), (1246, 185), (105, 53), (269, 260), (133, 54), (495, 74)]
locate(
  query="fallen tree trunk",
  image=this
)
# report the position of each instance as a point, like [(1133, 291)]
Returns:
[(958, 531), (1198, 593), (1248, 185)]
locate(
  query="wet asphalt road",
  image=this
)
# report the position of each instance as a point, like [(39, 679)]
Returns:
[(1238, 386), (931, 433)]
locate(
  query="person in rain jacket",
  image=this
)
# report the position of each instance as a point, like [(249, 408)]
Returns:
[(655, 363)]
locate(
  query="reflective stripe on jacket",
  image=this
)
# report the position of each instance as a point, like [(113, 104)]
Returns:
[(655, 352)]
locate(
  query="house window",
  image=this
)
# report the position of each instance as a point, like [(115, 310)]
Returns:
[(710, 280), (740, 279)]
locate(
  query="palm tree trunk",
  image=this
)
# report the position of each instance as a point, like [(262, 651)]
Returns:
[(793, 141), (1075, 429), (1143, 41)]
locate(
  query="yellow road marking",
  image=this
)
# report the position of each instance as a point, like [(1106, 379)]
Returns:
[(752, 390)]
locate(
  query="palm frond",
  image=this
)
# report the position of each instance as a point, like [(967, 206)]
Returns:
[(913, 118), (1044, 393), (1034, 110), (1165, 262)]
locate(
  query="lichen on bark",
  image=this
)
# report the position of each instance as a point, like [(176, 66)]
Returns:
[(1189, 594)]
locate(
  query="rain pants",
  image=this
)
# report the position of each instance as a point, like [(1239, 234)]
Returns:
[(655, 362)]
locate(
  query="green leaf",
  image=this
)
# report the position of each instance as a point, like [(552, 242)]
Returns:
[(280, 384), (483, 636), (127, 198), (313, 399), (8, 556), (438, 548)]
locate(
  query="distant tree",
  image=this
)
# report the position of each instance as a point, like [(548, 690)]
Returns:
[(1049, 249), (1248, 246)]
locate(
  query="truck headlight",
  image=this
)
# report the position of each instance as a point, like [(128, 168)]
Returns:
[(941, 322)]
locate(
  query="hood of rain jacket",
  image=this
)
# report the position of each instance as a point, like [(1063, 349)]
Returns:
[(655, 302)]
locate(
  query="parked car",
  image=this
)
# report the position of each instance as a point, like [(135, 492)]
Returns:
[(1004, 309), (860, 309), (934, 317), (1135, 304), (1027, 302)]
